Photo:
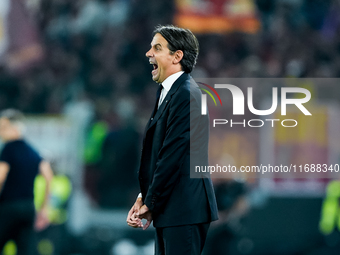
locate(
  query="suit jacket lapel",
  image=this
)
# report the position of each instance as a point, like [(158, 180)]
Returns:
[(166, 100)]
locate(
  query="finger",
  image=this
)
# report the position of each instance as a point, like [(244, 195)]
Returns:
[(131, 220), (134, 224), (139, 225), (129, 214), (147, 224), (134, 217)]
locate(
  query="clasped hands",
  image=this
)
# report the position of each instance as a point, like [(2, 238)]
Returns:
[(137, 213)]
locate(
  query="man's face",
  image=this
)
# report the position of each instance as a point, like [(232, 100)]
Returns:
[(160, 57), (5, 128)]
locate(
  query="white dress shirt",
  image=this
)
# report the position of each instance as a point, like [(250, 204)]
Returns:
[(167, 84)]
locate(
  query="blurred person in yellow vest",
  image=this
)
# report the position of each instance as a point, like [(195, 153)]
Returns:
[(330, 211), (60, 192), (20, 163)]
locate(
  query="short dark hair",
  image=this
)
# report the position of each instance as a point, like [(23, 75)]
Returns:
[(12, 115), (180, 39)]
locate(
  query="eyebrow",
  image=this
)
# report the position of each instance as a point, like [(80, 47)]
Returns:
[(157, 44)]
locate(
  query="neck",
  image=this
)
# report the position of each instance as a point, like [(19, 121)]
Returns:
[(174, 69), (13, 137)]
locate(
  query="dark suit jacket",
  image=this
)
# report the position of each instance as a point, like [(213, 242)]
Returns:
[(175, 140)]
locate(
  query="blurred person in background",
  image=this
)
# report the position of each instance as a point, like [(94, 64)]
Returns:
[(19, 165), (180, 207), (120, 150), (227, 236)]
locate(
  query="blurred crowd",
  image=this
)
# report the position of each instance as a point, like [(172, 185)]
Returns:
[(94, 52)]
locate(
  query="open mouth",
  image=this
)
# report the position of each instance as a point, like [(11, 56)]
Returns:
[(155, 67)]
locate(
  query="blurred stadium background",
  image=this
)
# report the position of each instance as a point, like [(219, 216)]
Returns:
[(78, 69)]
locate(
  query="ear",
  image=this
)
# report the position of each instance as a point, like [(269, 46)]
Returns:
[(5, 121), (178, 56)]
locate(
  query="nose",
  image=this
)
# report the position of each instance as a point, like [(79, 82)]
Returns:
[(148, 54)]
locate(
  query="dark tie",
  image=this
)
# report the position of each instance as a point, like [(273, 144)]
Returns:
[(157, 99)]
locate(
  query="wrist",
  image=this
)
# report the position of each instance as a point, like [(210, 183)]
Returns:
[(139, 198), (139, 201)]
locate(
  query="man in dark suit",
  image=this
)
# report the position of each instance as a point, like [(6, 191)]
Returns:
[(175, 140)]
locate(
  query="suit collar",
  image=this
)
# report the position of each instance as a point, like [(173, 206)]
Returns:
[(166, 100), (177, 84), (168, 82)]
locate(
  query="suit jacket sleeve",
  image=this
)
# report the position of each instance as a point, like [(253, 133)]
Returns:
[(175, 148)]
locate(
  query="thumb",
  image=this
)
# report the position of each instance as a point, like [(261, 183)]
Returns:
[(147, 224)]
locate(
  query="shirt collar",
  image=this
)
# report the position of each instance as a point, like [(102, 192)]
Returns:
[(167, 83)]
